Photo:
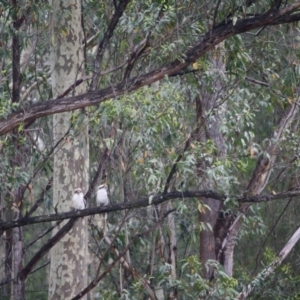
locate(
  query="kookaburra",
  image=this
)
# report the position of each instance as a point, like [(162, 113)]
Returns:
[(78, 201), (102, 198)]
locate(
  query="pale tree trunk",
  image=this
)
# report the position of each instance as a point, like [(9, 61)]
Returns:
[(68, 268), (172, 251), (259, 180), (15, 236), (17, 258), (209, 129)]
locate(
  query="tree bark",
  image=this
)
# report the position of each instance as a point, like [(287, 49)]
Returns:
[(256, 185), (68, 268), (17, 259), (208, 128), (18, 285), (144, 202)]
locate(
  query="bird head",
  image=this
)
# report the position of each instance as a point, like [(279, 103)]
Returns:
[(78, 191), (102, 186)]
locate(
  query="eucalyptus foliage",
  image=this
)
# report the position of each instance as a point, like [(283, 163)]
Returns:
[(139, 138)]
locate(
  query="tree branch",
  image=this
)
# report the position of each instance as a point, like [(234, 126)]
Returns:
[(174, 166), (269, 234), (46, 247), (102, 163), (207, 42), (144, 202), (119, 9), (120, 258), (259, 180), (262, 276), (41, 235), (16, 56), (135, 54), (35, 206), (257, 81)]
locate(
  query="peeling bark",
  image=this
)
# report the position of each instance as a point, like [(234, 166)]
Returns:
[(17, 259), (68, 268)]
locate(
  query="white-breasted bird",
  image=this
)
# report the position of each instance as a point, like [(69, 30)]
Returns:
[(102, 198), (78, 201)]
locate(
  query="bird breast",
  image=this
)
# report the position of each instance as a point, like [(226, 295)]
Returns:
[(78, 201), (102, 198)]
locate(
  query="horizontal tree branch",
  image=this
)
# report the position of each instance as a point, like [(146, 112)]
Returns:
[(144, 202), (257, 81), (207, 42)]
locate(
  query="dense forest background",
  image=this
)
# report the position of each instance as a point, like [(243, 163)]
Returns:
[(188, 111)]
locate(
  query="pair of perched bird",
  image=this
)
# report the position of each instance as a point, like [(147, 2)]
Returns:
[(79, 202)]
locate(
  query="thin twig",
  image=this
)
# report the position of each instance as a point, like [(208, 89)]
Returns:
[(94, 282), (41, 235), (270, 232)]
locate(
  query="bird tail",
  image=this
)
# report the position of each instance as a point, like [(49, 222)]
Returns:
[(101, 222)]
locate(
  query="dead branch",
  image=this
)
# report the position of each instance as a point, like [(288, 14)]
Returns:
[(262, 276)]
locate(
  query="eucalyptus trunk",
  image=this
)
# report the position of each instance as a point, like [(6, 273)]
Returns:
[(68, 268), (208, 128), (257, 183)]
